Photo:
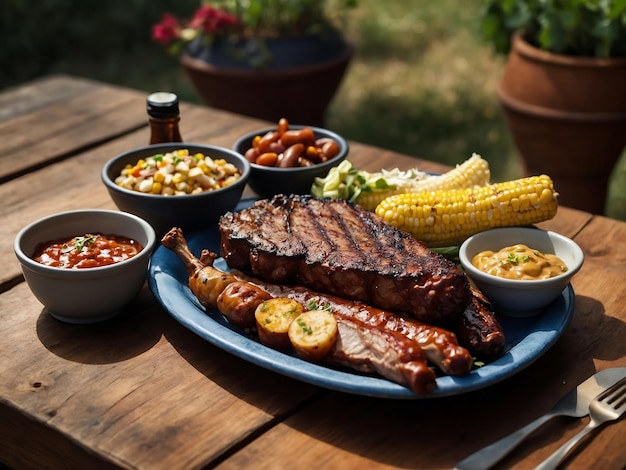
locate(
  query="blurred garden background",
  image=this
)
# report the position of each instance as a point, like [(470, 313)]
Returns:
[(421, 83)]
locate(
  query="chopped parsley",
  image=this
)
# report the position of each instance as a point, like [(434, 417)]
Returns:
[(514, 259), (306, 328), (79, 243), (317, 304)]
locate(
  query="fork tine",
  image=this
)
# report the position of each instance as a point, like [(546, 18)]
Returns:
[(619, 395), (607, 406), (614, 392)]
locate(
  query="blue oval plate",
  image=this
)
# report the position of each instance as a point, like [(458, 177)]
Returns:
[(527, 338)]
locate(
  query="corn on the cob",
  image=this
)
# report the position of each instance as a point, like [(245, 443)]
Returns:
[(472, 172), (446, 218)]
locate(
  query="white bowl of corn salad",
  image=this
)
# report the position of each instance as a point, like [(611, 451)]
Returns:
[(177, 184), (521, 270)]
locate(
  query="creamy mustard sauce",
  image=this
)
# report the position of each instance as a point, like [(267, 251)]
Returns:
[(519, 262)]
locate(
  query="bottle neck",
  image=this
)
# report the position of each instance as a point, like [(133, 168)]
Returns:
[(163, 130)]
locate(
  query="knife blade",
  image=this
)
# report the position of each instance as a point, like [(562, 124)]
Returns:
[(575, 404)]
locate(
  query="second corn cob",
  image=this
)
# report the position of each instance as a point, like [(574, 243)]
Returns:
[(472, 172), (369, 189), (446, 218)]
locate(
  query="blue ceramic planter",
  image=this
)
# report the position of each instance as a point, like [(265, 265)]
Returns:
[(298, 83)]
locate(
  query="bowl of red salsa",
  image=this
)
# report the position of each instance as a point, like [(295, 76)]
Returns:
[(85, 266)]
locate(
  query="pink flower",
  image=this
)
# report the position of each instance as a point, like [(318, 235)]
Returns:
[(211, 20), (167, 30), (208, 23)]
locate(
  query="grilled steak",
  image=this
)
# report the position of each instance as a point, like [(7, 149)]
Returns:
[(336, 247)]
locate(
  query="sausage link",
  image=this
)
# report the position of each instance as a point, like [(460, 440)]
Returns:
[(238, 301)]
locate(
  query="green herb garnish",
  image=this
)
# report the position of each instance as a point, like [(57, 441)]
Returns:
[(514, 259), (316, 304), (80, 242), (479, 364), (306, 328)]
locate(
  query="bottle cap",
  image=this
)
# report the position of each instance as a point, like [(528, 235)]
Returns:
[(162, 104)]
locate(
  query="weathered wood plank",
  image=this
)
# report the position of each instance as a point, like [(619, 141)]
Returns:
[(568, 222), (61, 128), (25, 98), (340, 431), (140, 381)]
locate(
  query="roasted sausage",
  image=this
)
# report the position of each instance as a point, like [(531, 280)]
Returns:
[(238, 302), (205, 281)]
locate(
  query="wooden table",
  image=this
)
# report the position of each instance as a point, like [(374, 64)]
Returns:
[(141, 391)]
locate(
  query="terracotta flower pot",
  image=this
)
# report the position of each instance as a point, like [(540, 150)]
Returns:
[(299, 85), (567, 116)]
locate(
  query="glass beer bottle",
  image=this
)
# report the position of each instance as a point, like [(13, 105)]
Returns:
[(164, 117)]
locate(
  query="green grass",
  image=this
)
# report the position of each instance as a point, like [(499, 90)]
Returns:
[(421, 82)]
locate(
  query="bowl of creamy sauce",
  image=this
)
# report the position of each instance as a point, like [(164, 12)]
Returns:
[(521, 270), (519, 262)]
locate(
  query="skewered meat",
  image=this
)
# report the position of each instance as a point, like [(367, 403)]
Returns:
[(206, 282), (336, 247)]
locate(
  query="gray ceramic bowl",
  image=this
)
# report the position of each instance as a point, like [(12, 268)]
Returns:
[(188, 212), (85, 295), (521, 298), (268, 181)]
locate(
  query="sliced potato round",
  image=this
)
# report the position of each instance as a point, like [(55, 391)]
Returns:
[(273, 318), (313, 334)]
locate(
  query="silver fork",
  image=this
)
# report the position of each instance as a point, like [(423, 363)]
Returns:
[(608, 406)]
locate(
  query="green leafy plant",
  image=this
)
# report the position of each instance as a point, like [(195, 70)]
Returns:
[(592, 28), (251, 22)]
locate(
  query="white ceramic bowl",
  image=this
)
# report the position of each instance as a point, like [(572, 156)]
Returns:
[(521, 298), (85, 295)]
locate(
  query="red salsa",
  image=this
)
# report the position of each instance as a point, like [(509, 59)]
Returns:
[(87, 251)]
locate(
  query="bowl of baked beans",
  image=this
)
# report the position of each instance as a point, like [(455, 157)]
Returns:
[(286, 158), (85, 266), (182, 185)]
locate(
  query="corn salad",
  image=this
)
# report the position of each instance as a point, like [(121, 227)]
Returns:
[(178, 173)]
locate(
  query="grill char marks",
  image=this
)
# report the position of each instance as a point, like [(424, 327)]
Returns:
[(259, 242), (335, 247), (333, 262)]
